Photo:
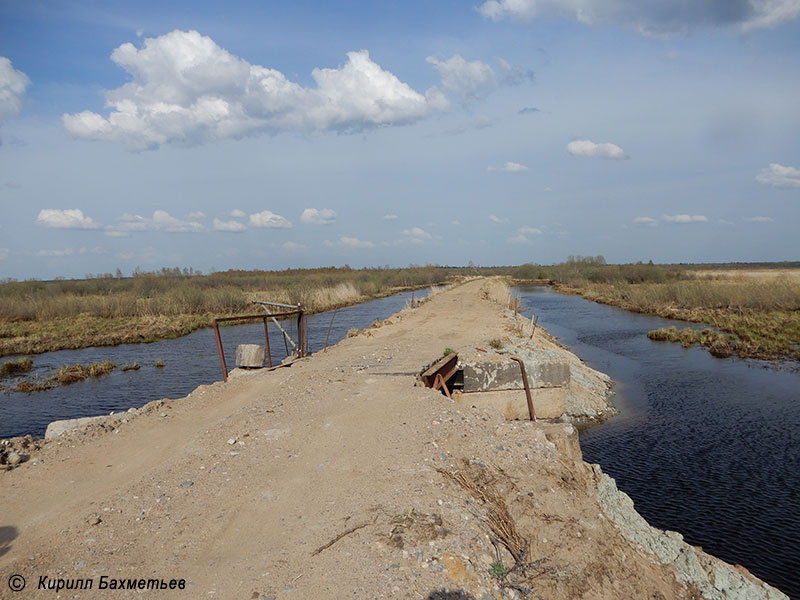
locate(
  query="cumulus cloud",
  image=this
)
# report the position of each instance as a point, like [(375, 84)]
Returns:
[(238, 214), (530, 230), (160, 221), (229, 226), (684, 218), (267, 218), (646, 221), (417, 233), (658, 18), (314, 216), (71, 218), (777, 175), (474, 79), (196, 215), (509, 167), (519, 239), (759, 219), (186, 90), (350, 242), (498, 220), (593, 150), (390, 217), (13, 84)]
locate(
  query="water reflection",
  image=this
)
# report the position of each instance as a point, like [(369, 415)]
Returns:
[(190, 361), (705, 446)]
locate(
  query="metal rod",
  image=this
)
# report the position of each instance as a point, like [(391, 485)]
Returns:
[(286, 335), (300, 334), (329, 329), (527, 387), (275, 304), (221, 353), (534, 321), (266, 339)]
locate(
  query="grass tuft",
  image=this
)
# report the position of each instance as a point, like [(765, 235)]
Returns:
[(13, 367)]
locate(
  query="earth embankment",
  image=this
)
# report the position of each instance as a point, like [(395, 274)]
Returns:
[(338, 477)]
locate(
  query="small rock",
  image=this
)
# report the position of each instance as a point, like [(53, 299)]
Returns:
[(233, 453), (94, 520), (13, 459), (187, 484), (231, 441)]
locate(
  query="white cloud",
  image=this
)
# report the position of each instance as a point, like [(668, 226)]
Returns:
[(684, 218), (647, 221), (593, 150), (474, 79), (186, 90), (759, 219), (390, 217), (238, 214), (160, 221), (72, 251), (292, 246), (530, 230), (4, 253), (196, 215), (71, 218), (779, 176), (267, 218), (509, 167), (351, 242), (229, 226), (519, 239), (659, 18), (417, 233), (314, 216), (12, 89), (498, 220)]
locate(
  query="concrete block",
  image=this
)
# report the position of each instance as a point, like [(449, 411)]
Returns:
[(249, 355), (502, 373), (548, 403), (56, 428)]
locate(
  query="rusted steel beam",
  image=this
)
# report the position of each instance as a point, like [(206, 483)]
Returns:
[(441, 384), (221, 353), (266, 340), (527, 387), (445, 368), (329, 329)]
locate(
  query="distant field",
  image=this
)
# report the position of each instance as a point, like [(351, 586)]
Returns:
[(749, 273)]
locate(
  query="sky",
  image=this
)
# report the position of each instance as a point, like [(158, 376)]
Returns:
[(268, 135)]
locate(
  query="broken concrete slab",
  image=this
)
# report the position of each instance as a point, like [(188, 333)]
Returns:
[(548, 403), (499, 372)]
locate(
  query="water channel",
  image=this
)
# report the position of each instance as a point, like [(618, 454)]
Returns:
[(189, 361), (705, 446)]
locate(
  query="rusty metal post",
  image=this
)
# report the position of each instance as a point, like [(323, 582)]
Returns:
[(266, 339), (221, 353), (299, 330), (329, 329), (527, 387)]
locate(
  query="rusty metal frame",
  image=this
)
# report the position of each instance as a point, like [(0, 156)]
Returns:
[(263, 318), (527, 387), (439, 373)]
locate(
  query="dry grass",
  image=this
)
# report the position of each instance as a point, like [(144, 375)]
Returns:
[(37, 316), (763, 320), (14, 367)]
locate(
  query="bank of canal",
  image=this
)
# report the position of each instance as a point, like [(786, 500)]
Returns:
[(705, 446)]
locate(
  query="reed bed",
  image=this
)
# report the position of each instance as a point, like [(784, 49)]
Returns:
[(761, 316), (39, 316)]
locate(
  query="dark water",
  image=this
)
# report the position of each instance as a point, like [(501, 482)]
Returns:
[(190, 361), (705, 446)]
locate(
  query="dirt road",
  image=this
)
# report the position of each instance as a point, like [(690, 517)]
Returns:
[(334, 478)]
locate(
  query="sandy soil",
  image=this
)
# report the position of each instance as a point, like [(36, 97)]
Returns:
[(334, 478)]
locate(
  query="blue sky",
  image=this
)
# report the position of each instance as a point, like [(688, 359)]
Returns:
[(298, 134)]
